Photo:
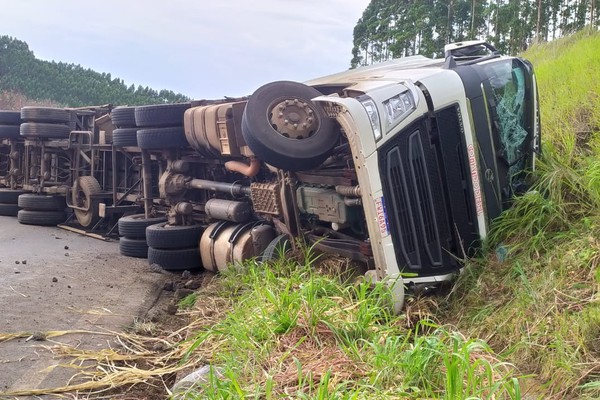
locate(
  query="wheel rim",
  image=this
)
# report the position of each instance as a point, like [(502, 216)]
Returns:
[(82, 197), (293, 118), (85, 217), (81, 200)]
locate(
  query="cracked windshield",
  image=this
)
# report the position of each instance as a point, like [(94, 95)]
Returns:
[(509, 98)]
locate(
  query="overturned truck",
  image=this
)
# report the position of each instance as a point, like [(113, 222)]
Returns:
[(399, 166)]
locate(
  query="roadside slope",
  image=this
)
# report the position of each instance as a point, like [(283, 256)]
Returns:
[(538, 305)]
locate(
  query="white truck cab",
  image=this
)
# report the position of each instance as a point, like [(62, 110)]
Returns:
[(439, 148), (439, 151)]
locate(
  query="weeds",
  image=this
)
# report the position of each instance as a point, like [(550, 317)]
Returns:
[(293, 331), (538, 304), (188, 301)]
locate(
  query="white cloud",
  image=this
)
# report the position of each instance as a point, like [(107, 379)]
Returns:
[(201, 48)]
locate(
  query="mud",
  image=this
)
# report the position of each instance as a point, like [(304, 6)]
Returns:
[(52, 280)]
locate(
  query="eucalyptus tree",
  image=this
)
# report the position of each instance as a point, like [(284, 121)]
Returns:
[(397, 28)]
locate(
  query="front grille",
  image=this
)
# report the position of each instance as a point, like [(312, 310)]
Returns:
[(411, 204), (403, 215), (415, 187), (422, 188), (457, 176)]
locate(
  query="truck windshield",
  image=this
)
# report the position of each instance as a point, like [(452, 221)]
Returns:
[(510, 105)]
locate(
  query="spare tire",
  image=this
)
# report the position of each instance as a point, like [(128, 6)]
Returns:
[(161, 114), (284, 128), (83, 195), (45, 114)]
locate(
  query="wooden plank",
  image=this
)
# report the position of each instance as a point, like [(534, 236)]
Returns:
[(82, 232)]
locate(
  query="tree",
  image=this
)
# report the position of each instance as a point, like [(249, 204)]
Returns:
[(68, 84), (400, 28)]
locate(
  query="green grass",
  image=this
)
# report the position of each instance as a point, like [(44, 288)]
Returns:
[(295, 331), (539, 307), (188, 301)]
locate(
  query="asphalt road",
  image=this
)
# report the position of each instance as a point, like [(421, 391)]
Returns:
[(52, 279)]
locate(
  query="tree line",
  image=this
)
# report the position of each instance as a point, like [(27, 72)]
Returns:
[(397, 28), (69, 84)]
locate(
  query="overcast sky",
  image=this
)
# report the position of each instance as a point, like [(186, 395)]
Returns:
[(201, 48)]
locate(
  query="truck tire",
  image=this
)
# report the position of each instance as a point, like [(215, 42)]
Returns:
[(30, 201), (125, 137), (9, 131), (133, 247), (84, 196), (165, 236), (123, 117), (267, 126), (43, 218), (160, 115), (46, 130), (10, 117), (175, 259), (45, 114), (134, 226), (162, 138), (9, 210), (276, 249), (10, 196)]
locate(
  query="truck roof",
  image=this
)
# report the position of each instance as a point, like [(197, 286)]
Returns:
[(413, 67)]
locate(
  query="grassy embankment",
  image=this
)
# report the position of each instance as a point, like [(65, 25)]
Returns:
[(289, 330), (540, 308)]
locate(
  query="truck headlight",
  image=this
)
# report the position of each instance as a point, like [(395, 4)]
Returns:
[(373, 114), (398, 107)]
